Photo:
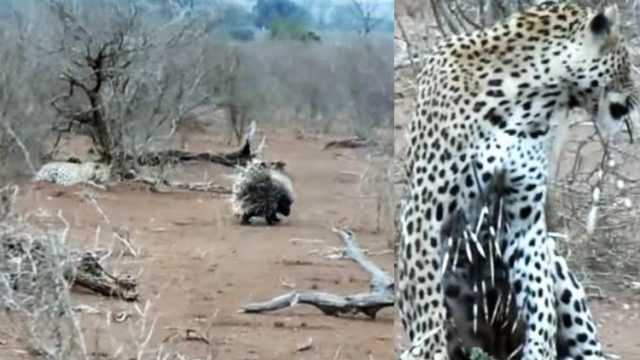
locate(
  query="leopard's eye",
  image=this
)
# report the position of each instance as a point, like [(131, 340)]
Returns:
[(618, 110)]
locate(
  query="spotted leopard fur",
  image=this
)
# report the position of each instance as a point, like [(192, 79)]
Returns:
[(70, 173)]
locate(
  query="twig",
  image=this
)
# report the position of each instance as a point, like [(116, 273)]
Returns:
[(23, 148), (379, 279), (350, 143), (127, 243)]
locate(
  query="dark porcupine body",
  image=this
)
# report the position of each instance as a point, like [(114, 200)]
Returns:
[(482, 312), (478, 297), (262, 191)]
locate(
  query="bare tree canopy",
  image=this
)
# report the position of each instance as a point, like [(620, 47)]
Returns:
[(113, 71)]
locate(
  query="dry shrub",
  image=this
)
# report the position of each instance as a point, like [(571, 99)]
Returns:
[(319, 86), (594, 202), (34, 263), (376, 184)]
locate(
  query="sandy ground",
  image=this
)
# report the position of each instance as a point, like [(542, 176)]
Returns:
[(197, 266)]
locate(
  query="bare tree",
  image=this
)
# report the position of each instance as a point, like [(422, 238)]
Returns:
[(228, 92), (22, 108), (370, 86), (364, 12), (125, 82)]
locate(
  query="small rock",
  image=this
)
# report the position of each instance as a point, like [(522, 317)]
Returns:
[(306, 346)]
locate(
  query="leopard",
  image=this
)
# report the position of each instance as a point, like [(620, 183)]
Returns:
[(485, 101), (70, 173), (481, 309)]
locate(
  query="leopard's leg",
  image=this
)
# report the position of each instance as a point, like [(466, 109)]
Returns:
[(94, 184), (420, 294), (577, 333), (527, 253)]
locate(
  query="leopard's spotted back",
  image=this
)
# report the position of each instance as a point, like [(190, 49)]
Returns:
[(68, 173)]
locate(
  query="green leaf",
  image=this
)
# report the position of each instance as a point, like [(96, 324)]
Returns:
[(478, 354)]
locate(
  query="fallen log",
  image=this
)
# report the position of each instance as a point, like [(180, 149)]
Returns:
[(40, 257), (89, 274), (234, 158), (350, 143), (379, 296), (164, 186)]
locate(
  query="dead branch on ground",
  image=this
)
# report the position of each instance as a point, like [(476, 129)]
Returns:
[(380, 294), (83, 271), (91, 275), (237, 157), (164, 186), (350, 143)]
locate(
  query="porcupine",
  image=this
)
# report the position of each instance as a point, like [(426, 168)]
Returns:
[(261, 190)]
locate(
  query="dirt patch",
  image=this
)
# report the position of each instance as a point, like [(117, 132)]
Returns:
[(197, 266)]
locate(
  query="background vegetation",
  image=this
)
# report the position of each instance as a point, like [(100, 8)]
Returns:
[(129, 74)]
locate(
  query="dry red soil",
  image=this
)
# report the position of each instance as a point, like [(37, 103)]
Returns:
[(197, 266)]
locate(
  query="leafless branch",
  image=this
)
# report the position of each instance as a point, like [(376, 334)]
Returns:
[(380, 294)]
